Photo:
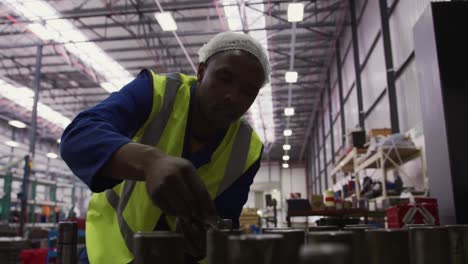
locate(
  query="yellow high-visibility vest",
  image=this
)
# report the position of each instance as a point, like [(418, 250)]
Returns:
[(115, 215)]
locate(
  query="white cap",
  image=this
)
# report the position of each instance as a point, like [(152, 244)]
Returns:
[(236, 41)]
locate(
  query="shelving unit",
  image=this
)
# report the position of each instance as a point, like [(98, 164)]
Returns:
[(347, 164), (387, 159), (384, 159), (12, 173)]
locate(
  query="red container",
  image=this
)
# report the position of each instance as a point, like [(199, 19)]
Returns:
[(424, 212), (34, 256)]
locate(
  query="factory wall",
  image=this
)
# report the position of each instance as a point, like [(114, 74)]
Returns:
[(334, 120), (280, 183)]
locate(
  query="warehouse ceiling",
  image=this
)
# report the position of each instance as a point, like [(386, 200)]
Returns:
[(128, 33)]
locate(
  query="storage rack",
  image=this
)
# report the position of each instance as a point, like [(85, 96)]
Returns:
[(384, 159), (11, 173)]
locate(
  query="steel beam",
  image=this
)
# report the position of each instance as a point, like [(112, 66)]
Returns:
[(37, 87), (330, 115), (278, 50), (173, 7), (319, 163), (387, 45), (357, 64), (281, 38), (324, 136), (340, 91)]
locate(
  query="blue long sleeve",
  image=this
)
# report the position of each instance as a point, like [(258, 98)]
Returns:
[(95, 134)]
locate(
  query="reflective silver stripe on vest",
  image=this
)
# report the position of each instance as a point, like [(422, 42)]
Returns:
[(151, 137), (239, 153), (119, 205), (156, 127)]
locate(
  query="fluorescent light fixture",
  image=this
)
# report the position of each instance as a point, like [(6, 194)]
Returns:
[(12, 143), (52, 155), (286, 147), (33, 10), (17, 124), (40, 31), (233, 17), (291, 77), (295, 12), (287, 132), (259, 212), (285, 165), (23, 97), (285, 157), (64, 31), (166, 21), (109, 87), (59, 140), (289, 111)]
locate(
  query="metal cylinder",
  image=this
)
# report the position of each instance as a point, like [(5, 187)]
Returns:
[(67, 233), (387, 246), (277, 228), (458, 236), (324, 254), (217, 249), (360, 252), (224, 224), (255, 249), (67, 243), (408, 226), (322, 228), (346, 238), (159, 247), (359, 227), (292, 241), (68, 255), (429, 245)]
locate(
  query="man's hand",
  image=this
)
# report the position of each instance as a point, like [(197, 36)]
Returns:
[(175, 187), (195, 237)]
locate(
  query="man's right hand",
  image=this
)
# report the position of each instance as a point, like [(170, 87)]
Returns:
[(175, 187), (172, 183)]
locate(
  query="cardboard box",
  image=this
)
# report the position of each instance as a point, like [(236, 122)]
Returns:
[(385, 132)]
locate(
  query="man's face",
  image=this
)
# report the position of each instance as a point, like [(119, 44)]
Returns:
[(228, 85)]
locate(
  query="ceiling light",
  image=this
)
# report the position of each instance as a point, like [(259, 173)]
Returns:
[(285, 165), (52, 155), (22, 96), (289, 111), (12, 143), (59, 140), (287, 132), (295, 12), (109, 87), (285, 157), (166, 21), (40, 31), (17, 124), (233, 17), (291, 77), (286, 147), (65, 32)]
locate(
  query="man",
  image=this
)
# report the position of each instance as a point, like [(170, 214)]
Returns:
[(170, 146)]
